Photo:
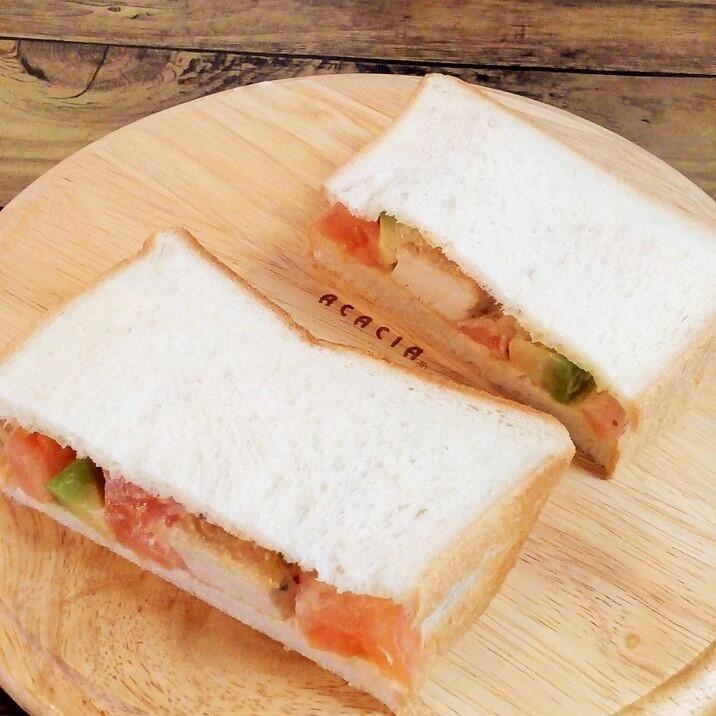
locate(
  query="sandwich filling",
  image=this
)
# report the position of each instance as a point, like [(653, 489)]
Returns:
[(403, 254), (163, 532)]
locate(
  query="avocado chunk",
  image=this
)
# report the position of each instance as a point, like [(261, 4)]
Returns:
[(561, 378), (80, 489), (392, 235)]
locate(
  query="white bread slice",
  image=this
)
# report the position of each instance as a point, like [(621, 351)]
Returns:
[(590, 264), (173, 373)]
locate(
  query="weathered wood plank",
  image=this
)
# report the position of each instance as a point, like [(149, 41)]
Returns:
[(76, 93), (671, 36), (57, 97)]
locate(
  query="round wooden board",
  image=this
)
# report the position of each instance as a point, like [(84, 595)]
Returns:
[(614, 591)]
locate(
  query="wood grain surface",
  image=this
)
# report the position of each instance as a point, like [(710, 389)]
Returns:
[(613, 593), (57, 97), (690, 691), (614, 35)]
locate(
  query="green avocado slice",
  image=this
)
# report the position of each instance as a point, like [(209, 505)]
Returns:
[(80, 489), (561, 378), (392, 235)]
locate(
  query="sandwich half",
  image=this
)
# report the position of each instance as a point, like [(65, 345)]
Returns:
[(550, 276), (353, 511)]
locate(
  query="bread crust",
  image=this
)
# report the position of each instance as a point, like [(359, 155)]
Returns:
[(475, 551), (191, 242), (518, 512), (673, 389)]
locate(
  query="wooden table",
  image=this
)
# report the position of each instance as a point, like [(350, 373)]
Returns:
[(71, 71)]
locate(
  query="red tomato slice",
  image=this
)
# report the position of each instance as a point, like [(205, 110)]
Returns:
[(606, 417), (375, 629), (35, 459), (494, 332), (357, 236), (139, 520)]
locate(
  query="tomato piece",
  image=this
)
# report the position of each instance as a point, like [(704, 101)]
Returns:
[(372, 628), (357, 236), (35, 459), (139, 520), (494, 332), (605, 415)]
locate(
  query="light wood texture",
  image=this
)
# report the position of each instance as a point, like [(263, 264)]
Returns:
[(613, 593), (615, 35), (57, 97), (691, 691)]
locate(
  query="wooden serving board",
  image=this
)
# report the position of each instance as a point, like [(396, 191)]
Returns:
[(615, 591)]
